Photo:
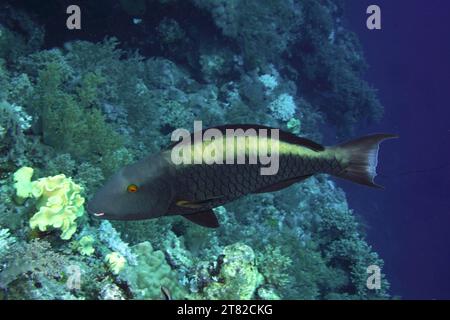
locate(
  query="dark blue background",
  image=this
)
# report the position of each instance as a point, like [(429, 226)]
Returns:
[(409, 222)]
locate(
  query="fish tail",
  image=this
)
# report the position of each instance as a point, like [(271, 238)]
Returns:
[(359, 159)]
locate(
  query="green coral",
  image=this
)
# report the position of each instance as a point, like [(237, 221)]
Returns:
[(85, 245), (88, 89), (150, 273), (90, 177), (275, 267), (175, 114), (21, 89), (61, 163), (59, 202), (66, 121), (294, 126), (312, 275), (238, 277)]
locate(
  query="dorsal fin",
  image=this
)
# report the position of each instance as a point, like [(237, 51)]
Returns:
[(284, 135)]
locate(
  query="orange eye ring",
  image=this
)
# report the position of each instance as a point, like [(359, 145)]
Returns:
[(132, 188)]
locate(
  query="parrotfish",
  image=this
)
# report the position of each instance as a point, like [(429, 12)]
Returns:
[(156, 186)]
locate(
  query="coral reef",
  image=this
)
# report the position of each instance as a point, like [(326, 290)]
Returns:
[(84, 109)]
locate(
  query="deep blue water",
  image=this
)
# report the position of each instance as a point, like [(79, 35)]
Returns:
[(409, 222)]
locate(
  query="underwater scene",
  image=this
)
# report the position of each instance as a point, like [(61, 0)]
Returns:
[(215, 150)]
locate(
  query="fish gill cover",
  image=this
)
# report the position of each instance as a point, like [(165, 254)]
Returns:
[(85, 104)]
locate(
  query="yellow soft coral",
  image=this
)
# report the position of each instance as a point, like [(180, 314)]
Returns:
[(22, 183), (85, 245), (59, 202), (116, 262)]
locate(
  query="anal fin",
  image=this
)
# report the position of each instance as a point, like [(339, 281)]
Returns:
[(282, 185), (204, 218)]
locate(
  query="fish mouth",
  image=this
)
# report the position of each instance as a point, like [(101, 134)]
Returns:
[(98, 214), (95, 213)]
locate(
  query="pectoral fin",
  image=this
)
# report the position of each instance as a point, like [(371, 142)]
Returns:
[(196, 204), (188, 204), (205, 218)]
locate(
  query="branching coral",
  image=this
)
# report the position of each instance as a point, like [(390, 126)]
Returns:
[(6, 240), (283, 108), (275, 267), (108, 235), (66, 125)]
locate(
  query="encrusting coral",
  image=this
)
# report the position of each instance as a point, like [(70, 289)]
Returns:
[(238, 276), (150, 273)]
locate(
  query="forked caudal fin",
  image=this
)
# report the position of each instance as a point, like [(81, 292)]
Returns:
[(361, 158)]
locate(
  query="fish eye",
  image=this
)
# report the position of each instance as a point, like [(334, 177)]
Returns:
[(132, 188)]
